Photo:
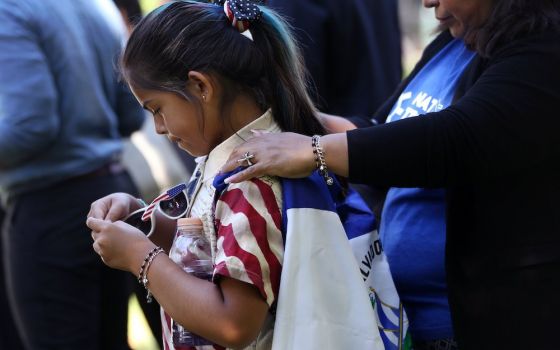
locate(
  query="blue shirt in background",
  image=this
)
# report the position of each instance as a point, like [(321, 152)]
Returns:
[(62, 109), (413, 221)]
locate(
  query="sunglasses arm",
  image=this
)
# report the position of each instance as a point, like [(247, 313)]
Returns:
[(164, 231)]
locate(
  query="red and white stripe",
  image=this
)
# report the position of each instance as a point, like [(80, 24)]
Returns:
[(250, 247), (249, 237), (148, 212)]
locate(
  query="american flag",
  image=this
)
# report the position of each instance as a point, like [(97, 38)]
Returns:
[(170, 193), (249, 245)]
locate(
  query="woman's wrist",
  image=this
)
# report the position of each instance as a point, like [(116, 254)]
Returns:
[(320, 162), (335, 148)]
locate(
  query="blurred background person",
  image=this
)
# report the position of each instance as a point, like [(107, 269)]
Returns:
[(131, 12), (62, 115), (351, 48), (9, 337)]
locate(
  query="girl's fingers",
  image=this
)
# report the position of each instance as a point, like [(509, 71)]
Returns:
[(95, 224), (97, 210), (114, 213)]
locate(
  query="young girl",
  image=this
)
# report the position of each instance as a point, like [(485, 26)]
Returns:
[(211, 74)]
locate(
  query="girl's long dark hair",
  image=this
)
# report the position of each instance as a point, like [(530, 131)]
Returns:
[(184, 36), (513, 19)]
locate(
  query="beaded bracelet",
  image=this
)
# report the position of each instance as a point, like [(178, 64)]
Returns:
[(143, 275), (320, 159)]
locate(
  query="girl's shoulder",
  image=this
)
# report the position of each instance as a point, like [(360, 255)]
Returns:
[(262, 193)]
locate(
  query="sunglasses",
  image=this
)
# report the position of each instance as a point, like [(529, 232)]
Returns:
[(173, 204)]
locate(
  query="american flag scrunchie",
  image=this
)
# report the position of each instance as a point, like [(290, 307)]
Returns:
[(241, 13)]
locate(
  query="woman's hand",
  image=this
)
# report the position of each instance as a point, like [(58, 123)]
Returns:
[(114, 207), (286, 155), (276, 154), (119, 245)]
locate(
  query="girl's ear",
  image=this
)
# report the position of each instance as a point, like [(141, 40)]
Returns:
[(201, 85)]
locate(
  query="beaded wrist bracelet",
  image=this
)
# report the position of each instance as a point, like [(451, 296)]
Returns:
[(143, 275), (320, 159)]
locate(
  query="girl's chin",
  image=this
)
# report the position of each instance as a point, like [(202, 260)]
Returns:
[(190, 150)]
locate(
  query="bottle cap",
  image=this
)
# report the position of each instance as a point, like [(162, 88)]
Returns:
[(192, 222)]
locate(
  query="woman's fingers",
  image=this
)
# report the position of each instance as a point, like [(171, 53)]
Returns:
[(238, 153), (275, 154), (248, 173)]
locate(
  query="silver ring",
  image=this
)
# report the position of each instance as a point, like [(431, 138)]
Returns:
[(246, 158)]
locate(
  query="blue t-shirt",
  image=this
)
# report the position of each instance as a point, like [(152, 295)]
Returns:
[(413, 223)]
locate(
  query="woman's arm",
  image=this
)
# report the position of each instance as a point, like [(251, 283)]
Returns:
[(334, 123), (506, 122), (293, 149)]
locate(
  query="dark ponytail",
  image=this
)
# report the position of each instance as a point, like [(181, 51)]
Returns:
[(183, 36)]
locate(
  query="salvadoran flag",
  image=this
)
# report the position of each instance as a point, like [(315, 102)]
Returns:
[(361, 229), (323, 302)]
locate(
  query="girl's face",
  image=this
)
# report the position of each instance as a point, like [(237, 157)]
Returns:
[(195, 128), (460, 15)]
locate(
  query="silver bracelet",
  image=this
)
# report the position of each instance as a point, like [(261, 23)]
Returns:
[(143, 275), (320, 162)]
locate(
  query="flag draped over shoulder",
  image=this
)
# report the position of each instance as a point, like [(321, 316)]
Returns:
[(323, 302), (361, 229)]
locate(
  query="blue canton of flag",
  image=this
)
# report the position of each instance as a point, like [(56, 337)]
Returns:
[(176, 190)]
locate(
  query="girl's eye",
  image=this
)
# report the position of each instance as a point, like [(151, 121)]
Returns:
[(156, 111)]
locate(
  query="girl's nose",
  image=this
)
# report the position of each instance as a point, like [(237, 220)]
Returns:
[(159, 125)]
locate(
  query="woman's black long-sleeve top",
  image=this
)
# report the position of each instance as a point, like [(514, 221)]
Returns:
[(496, 151)]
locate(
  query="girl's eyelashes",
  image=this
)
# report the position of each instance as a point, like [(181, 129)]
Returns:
[(156, 111)]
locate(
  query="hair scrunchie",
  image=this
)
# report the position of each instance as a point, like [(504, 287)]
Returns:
[(241, 13)]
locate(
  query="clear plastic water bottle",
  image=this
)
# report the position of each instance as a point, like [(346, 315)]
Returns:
[(191, 251)]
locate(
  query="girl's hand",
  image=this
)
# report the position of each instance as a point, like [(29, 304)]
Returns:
[(119, 245), (279, 154), (114, 207)]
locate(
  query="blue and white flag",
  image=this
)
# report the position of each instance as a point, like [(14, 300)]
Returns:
[(331, 249), (361, 228)]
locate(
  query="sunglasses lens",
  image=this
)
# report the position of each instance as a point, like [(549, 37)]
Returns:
[(174, 207), (136, 220)]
